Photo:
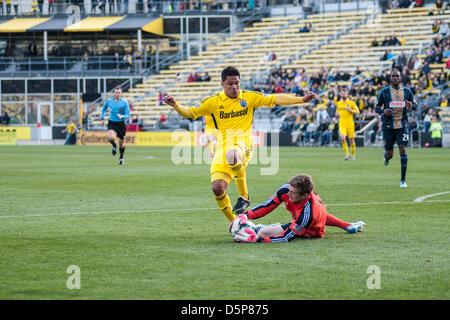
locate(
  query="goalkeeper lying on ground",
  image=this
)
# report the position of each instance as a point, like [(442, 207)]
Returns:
[(308, 212)]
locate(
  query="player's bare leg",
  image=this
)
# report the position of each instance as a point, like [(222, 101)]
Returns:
[(219, 188), (111, 136), (235, 160), (122, 150), (352, 148), (345, 145)]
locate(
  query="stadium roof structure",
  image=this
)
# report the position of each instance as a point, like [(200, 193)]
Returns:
[(152, 25)]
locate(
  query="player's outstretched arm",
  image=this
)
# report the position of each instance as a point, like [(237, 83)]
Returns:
[(185, 112), (285, 99)]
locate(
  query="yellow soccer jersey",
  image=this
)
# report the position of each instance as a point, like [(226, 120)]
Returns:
[(345, 116), (233, 117), (71, 128)]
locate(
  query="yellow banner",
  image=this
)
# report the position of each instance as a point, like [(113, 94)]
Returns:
[(22, 133), (8, 138), (99, 139), (175, 138)]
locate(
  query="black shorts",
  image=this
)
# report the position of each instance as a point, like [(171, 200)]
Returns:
[(391, 136), (118, 127)]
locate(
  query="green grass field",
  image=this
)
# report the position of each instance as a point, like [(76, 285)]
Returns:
[(151, 229)]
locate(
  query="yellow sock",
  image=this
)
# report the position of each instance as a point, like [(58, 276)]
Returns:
[(224, 204), (345, 147), (353, 149), (241, 179)]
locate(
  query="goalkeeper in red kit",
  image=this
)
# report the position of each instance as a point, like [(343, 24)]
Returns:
[(309, 215)]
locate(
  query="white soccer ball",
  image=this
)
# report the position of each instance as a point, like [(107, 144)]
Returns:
[(247, 232), (243, 226)]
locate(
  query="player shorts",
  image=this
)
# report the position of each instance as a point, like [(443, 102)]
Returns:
[(391, 136), (347, 130), (220, 169), (118, 127)]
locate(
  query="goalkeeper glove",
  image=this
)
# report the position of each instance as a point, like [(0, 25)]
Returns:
[(246, 235), (236, 223)]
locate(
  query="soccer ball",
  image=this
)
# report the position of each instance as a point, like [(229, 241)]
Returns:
[(247, 232)]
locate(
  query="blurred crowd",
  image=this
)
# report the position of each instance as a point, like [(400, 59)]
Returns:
[(317, 123)]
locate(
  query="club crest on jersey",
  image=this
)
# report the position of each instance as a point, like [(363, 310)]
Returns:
[(243, 103)]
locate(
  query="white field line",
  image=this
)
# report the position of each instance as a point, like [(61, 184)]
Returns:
[(422, 198), (205, 209)]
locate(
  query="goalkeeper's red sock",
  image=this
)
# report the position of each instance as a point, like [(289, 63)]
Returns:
[(335, 222)]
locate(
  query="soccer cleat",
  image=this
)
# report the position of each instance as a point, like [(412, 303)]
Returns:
[(114, 151), (403, 184), (355, 227), (346, 158), (352, 158), (241, 205), (121, 162)]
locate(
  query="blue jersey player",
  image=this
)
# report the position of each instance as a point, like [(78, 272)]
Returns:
[(393, 103), (119, 111)]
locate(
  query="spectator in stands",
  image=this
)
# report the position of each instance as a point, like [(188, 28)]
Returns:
[(436, 132), (444, 29), (418, 3), (439, 7), (160, 98), (413, 128), (393, 41), (427, 120), (15, 4), (206, 77), (162, 122), (323, 132), (385, 41), (32, 49), (394, 4), (288, 122), (51, 6), (138, 122), (311, 132), (265, 57), (444, 102), (272, 56), (128, 60), (4, 119), (304, 29), (322, 114), (374, 43), (191, 77), (435, 27), (41, 7), (138, 60)]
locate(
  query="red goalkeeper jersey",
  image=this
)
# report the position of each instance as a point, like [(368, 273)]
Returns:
[(309, 216)]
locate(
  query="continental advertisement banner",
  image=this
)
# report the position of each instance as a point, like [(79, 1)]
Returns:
[(99, 139), (174, 138), (22, 133), (8, 138)]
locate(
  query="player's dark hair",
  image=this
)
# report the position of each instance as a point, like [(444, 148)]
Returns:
[(229, 71), (303, 183), (117, 88)]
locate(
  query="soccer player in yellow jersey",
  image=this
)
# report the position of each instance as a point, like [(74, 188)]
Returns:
[(232, 113), (346, 108)]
